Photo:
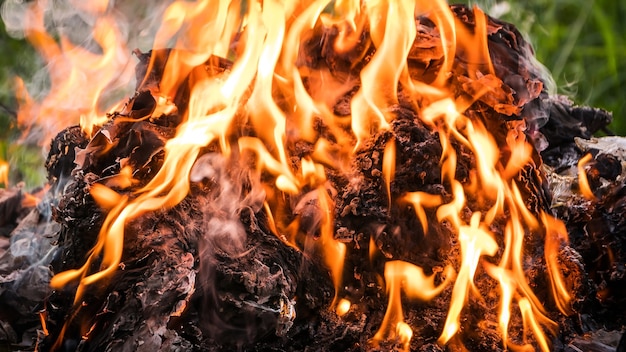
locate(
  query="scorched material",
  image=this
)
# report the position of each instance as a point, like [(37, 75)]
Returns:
[(209, 274)]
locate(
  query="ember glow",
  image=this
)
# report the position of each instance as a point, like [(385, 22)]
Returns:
[(283, 100)]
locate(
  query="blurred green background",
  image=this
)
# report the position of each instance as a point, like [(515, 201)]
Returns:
[(581, 42), (17, 58)]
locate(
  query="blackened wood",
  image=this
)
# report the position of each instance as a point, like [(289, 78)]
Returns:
[(211, 276)]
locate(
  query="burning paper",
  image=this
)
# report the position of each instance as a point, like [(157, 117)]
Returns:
[(290, 168)]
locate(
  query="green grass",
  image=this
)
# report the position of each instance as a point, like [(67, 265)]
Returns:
[(26, 161), (582, 42)]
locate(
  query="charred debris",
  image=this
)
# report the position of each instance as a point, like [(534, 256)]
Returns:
[(187, 283)]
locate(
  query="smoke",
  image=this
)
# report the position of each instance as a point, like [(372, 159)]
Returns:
[(235, 193), (224, 231), (69, 85), (137, 21), (25, 266)]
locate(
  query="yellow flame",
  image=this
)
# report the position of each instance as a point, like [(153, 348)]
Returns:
[(78, 76), (404, 333), (401, 275), (393, 39), (531, 323), (507, 291), (4, 173), (583, 182), (389, 167), (475, 241), (556, 234), (343, 307), (334, 251), (420, 200), (123, 180)]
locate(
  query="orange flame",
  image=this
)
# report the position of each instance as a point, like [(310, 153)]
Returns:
[(402, 275), (4, 173), (334, 251), (389, 167), (583, 182), (78, 76), (43, 316), (475, 241), (555, 235), (32, 199), (392, 27), (419, 200)]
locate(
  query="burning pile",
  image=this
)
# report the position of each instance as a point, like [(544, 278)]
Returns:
[(334, 175)]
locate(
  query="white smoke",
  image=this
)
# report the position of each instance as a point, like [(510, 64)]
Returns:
[(224, 230), (135, 24)]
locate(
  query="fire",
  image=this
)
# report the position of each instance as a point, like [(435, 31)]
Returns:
[(343, 307), (4, 173), (270, 91), (583, 182), (402, 275), (42, 319), (78, 76), (389, 165), (475, 242)]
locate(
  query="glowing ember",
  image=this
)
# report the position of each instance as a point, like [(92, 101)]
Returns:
[(271, 99), (343, 307)]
